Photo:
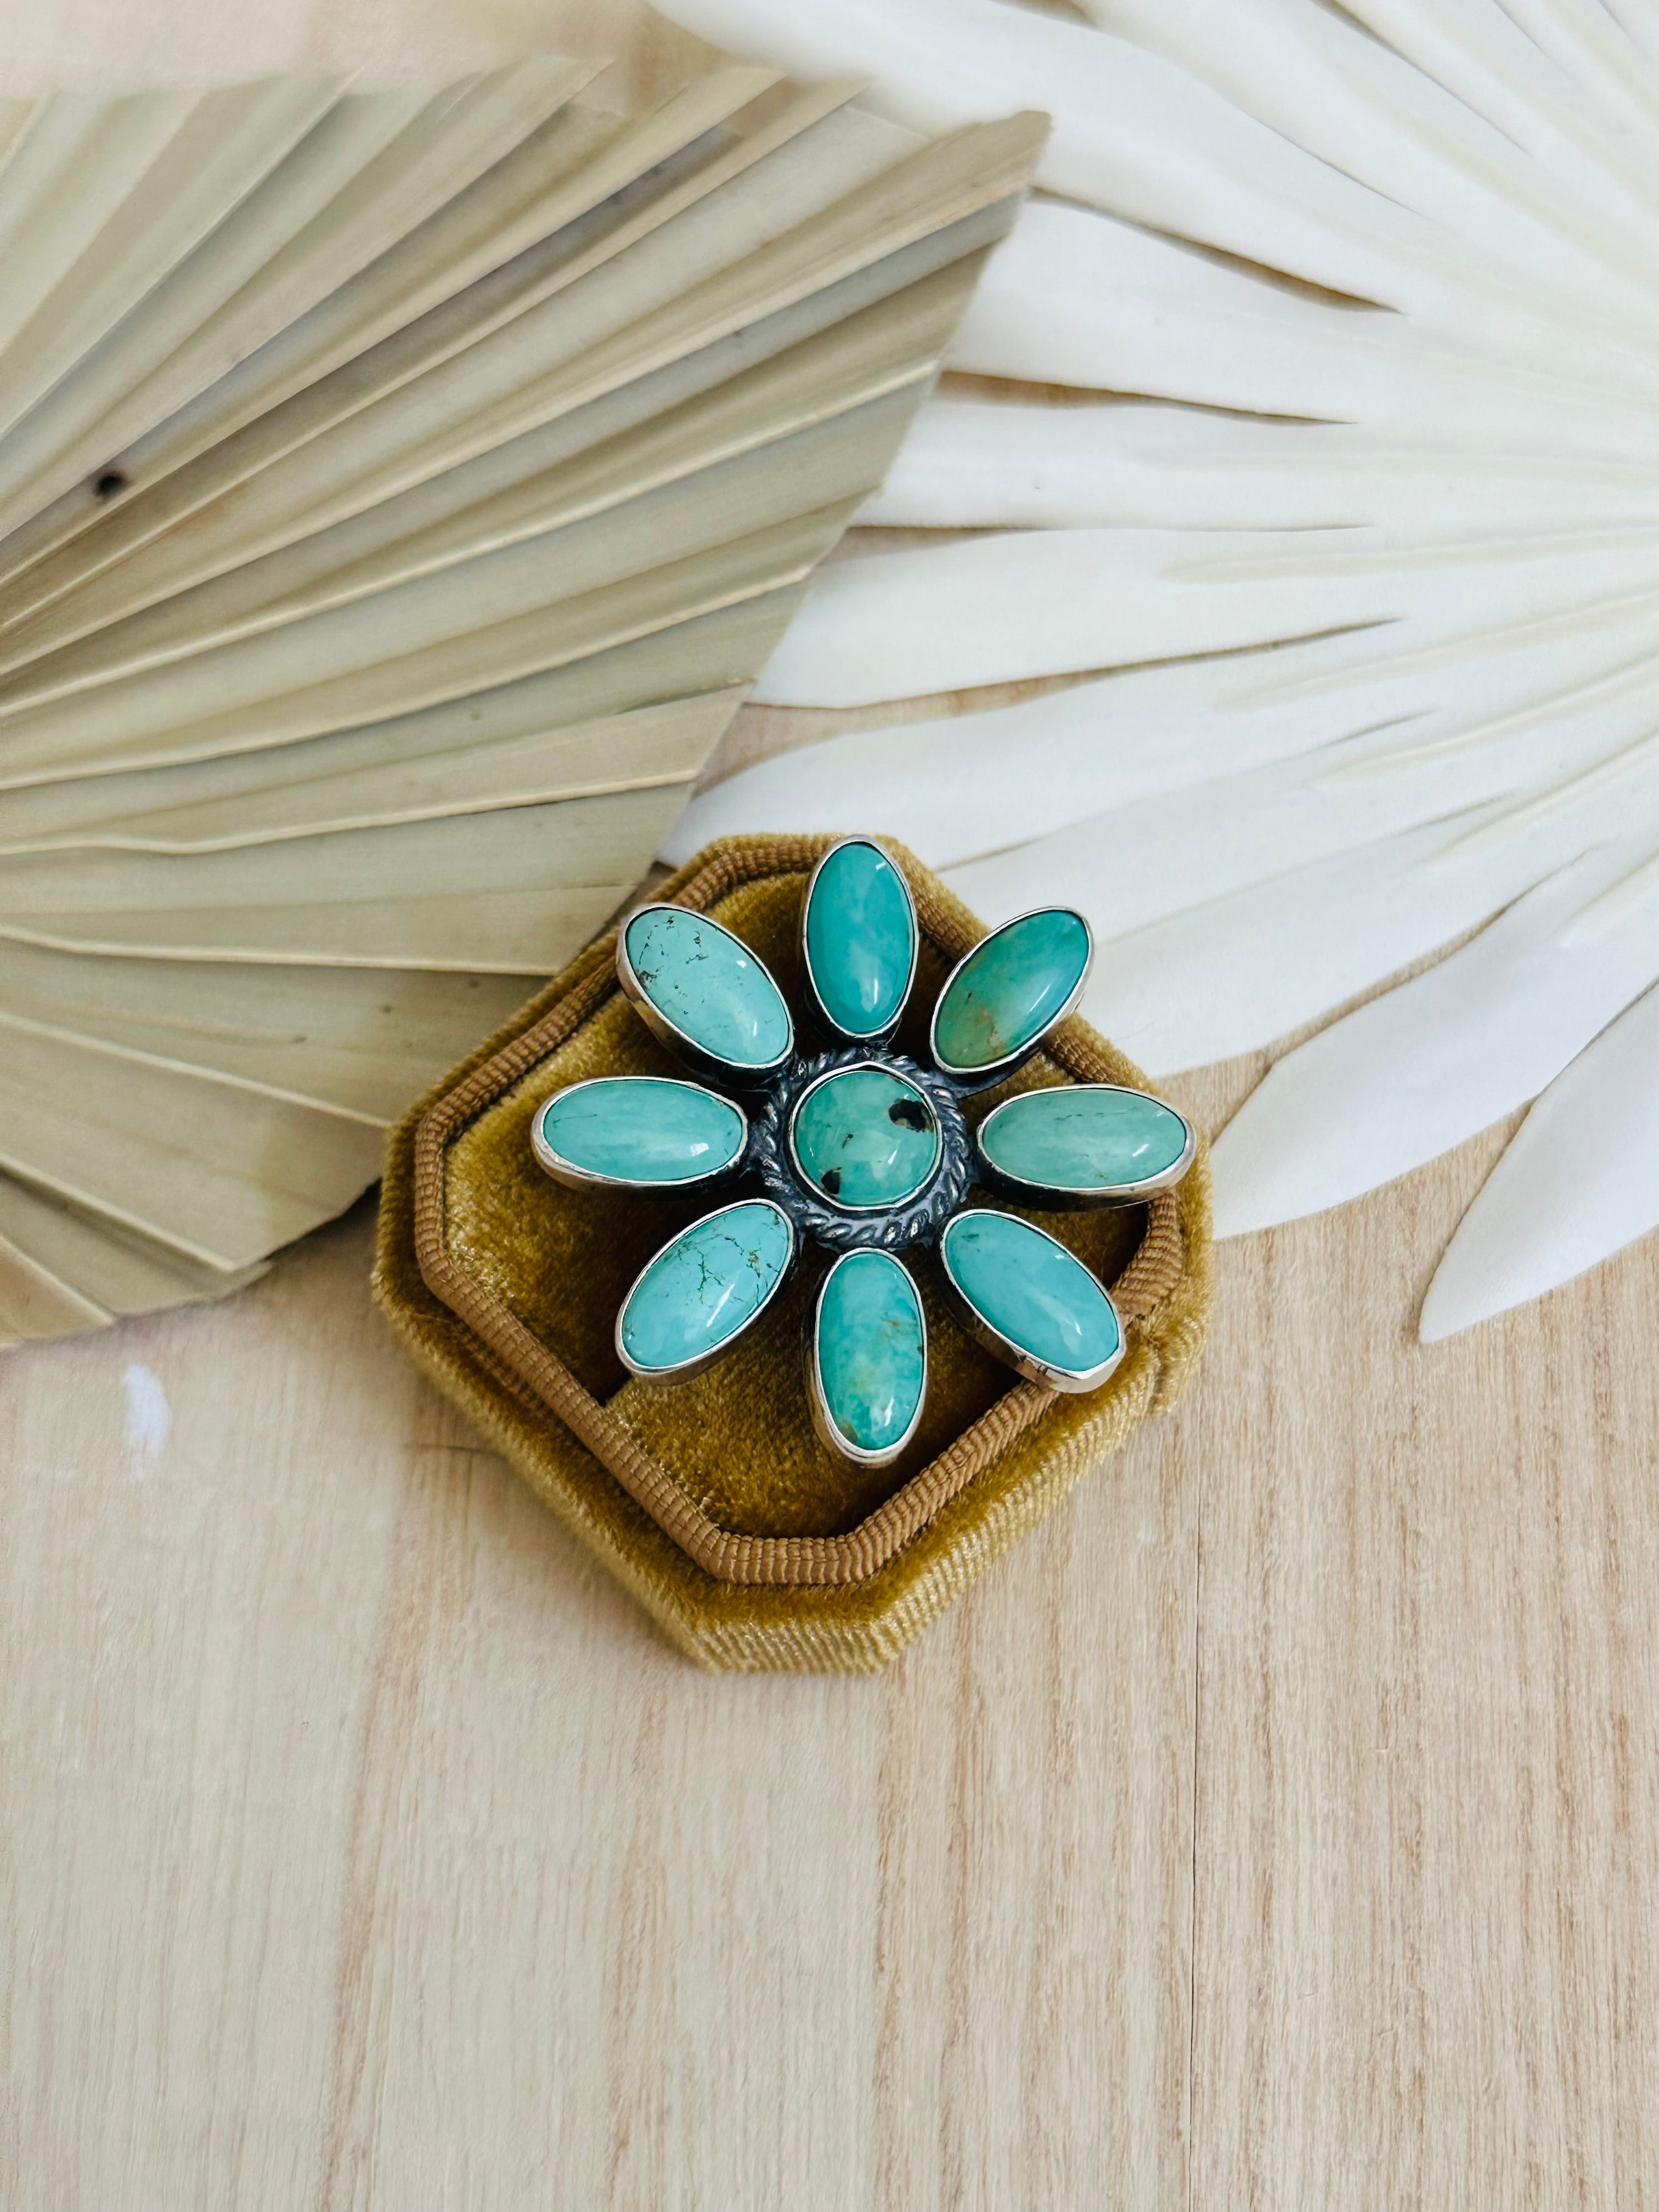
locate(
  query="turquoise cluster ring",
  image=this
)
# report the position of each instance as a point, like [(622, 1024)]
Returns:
[(861, 1150)]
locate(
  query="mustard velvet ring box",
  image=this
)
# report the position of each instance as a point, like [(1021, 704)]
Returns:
[(756, 1529)]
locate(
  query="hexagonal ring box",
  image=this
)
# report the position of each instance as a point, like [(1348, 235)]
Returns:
[(550, 1265)]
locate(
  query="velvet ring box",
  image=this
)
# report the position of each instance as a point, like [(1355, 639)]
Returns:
[(750, 1543)]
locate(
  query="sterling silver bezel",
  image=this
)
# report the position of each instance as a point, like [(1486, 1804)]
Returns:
[(970, 1080), (1070, 1380), (746, 1075), (821, 1014), (824, 1197), (666, 1377), (1083, 1199), (823, 1421), (816, 1216), (562, 1170)]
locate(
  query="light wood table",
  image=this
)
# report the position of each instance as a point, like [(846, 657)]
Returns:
[(1278, 1827)]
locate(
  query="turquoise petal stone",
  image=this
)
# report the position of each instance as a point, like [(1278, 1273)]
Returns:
[(866, 1138), (643, 1128), (706, 1285), (1010, 989), (871, 1350), (1031, 1290), (1083, 1137), (709, 986), (861, 939)]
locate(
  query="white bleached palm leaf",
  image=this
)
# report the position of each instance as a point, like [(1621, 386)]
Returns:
[(398, 492), (1307, 426)]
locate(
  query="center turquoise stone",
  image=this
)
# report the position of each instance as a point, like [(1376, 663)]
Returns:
[(866, 1139)]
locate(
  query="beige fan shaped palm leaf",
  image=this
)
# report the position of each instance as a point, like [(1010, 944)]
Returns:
[(398, 492)]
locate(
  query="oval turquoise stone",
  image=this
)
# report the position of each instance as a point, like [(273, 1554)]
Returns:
[(871, 1350), (1031, 1290), (861, 939), (1010, 989), (643, 1128), (710, 986), (866, 1138), (706, 1285), (1083, 1137)]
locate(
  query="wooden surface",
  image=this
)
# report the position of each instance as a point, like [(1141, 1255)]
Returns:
[(1278, 1827)]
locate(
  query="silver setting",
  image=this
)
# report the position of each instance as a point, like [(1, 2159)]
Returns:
[(820, 1013), (1071, 1380), (1085, 1199), (666, 1377), (968, 1080), (817, 1215), (829, 1075), (823, 1421), (745, 1074)]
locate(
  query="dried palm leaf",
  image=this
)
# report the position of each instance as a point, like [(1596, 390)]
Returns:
[(1318, 487), (399, 490)]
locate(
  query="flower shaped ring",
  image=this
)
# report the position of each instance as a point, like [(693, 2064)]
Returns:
[(860, 1150)]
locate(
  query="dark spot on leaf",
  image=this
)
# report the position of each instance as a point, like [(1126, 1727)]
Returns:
[(111, 482), (909, 1113)]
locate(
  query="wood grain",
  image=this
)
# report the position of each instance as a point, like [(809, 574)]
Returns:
[(1278, 1826)]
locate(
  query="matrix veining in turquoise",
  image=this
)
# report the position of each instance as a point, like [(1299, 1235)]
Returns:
[(1010, 990), (639, 1129), (1032, 1292), (871, 1353), (705, 1286), (866, 1138), (861, 939), (1094, 1137), (861, 1150), (710, 986)]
